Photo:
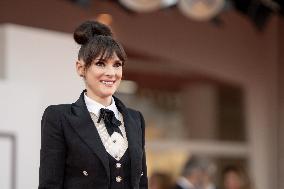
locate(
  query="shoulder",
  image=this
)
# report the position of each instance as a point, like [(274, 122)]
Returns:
[(58, 107), (56, 110), (138, 115), (132, 111), (52, 117)]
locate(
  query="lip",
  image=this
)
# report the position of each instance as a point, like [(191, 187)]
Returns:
[(107, 80), (108, 83)]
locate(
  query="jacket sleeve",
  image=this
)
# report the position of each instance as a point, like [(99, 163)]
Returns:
[(144, 179), (52, 153)]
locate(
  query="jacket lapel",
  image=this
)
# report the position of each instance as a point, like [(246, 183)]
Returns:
[(83, 124), (132, 128)]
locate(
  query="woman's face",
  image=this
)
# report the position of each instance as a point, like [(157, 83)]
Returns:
[(103, 77), (232, 181)]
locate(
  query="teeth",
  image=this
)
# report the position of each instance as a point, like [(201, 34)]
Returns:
[(107, 82)]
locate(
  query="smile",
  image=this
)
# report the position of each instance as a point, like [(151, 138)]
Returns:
[(108, 83)]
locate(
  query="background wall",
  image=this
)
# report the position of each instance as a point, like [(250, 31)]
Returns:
[(281, 105), (40, 70), (37, 69)]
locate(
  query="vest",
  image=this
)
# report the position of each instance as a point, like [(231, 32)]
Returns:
[(120, 177)]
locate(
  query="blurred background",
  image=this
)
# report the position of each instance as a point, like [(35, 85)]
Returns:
[(207, 75)]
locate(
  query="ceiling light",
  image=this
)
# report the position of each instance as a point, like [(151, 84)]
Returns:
[(145, 5), (201, 10)]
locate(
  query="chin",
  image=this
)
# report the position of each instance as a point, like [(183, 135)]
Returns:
[(106, 92), (105, 95)]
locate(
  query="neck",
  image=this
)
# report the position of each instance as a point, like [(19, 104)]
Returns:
[(106, 101)]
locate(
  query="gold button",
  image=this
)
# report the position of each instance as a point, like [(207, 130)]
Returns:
[(85, 173), (118, 165), (118, 179)]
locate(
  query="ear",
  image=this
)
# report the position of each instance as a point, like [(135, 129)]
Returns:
[(80, 68)]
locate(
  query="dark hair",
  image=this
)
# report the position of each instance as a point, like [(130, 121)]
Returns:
[(192, 164), (96, 41), (240, 172)]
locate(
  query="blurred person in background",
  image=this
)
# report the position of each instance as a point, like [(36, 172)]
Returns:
[(235, 178), (194, 175), (96, 142), (159, 180), (210, 170)]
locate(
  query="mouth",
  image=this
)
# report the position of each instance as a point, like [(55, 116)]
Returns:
[(107, 83)]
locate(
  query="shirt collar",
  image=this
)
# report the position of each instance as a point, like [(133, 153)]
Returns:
[(94, 107), (182, 181)]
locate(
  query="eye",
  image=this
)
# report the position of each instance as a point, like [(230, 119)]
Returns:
[(117, 64), (100, 64)]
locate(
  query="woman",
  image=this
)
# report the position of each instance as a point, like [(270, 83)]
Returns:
[(235, 178), (96, 142)]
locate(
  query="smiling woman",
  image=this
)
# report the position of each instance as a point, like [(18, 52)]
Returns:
[(102, 78), (96, 142), (100, 60)]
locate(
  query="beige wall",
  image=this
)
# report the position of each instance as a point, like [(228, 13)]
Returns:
[(2, 53), (40, 71)]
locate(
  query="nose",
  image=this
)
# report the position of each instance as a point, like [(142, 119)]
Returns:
[(109, 70)]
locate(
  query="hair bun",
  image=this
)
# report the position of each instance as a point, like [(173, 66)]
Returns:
[(88, 30)]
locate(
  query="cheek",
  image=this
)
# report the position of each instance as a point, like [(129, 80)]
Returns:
[(94, 73), (119, 74), (92, 77)]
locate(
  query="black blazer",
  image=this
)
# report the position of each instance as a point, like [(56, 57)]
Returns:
[(72, 155)]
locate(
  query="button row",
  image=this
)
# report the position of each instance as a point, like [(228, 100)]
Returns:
[(117, 179)]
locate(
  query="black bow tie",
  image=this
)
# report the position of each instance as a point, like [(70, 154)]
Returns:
[(110, 120)]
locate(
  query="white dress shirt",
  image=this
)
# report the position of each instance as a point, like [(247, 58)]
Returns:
[(116, 145)]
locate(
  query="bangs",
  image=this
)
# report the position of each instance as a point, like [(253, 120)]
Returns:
[(102, 47)]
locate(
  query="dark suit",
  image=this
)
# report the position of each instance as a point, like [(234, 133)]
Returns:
[(72, 155)]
